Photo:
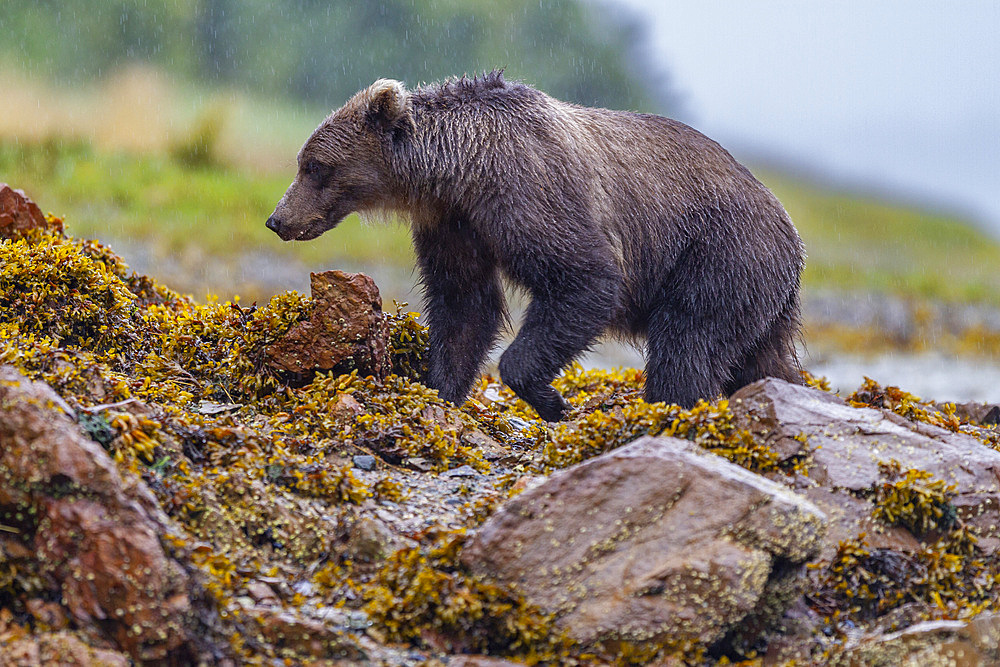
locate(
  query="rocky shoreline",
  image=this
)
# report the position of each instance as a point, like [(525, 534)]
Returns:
[(183, 483)]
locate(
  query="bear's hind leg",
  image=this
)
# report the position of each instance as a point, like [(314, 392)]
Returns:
[(773, 355), (679, 362)]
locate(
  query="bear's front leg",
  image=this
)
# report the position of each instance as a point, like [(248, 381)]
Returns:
[(464, 306), (558, 326)]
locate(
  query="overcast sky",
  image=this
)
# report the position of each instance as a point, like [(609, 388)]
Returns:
[(887, 94)]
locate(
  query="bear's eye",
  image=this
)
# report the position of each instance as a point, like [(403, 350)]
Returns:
[(316, 172)]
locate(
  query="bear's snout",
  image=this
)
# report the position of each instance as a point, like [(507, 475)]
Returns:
[(278, 226)]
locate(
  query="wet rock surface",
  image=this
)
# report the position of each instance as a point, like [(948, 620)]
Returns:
[(974, 643), (56, 648), (850, 447), (92, 538), (347, 330), (656, 541)]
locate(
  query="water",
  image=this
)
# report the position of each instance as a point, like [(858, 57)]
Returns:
[(932, 376)]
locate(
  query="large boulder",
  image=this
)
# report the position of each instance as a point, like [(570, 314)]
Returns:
[(347, 330), (89, 539), (848, 448), (657, 541)]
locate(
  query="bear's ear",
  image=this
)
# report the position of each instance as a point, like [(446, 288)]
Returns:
[(388, 103)]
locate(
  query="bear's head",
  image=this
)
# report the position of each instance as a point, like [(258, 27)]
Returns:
[(343, 166)]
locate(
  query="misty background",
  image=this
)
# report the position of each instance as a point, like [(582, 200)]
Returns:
[(169, 130), (901, 96)]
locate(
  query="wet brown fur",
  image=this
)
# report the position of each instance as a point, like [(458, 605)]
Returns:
[(613, 221)]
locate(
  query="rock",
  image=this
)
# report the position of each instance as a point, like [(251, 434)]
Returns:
[(479, 661), (347, 330), (462, 471), (658, 541), (369, 540), (57, 648), (346, 407), (364, 462), (418, 463), (305, 637), (49, 615), (847, 444), (261, 593), (94, 538), (848, 516), (972, 643), (18, 214)]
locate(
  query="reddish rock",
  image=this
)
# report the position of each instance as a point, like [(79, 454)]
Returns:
[(347, 330), (94, 540), (655, 541), (19, 214), (346, 407)]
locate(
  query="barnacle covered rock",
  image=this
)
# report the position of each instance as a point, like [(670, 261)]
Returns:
[(654, 543), (93, 539), (939, 642), (55, 648), (849, 446)]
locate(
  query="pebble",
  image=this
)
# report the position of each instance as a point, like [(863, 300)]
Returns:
[(364, 462), (462, 471)]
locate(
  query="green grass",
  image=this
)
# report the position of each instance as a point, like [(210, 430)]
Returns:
[(863, 243), (853, 242), (154, 199)]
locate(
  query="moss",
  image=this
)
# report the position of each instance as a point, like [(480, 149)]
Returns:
[(815, 382), (53, 291), (904, 404), (387, 489), (947, 578), (860, 581), (402, 419), (408, 344), (622, 416)]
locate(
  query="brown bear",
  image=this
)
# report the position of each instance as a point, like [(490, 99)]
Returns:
[(612, 221)]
